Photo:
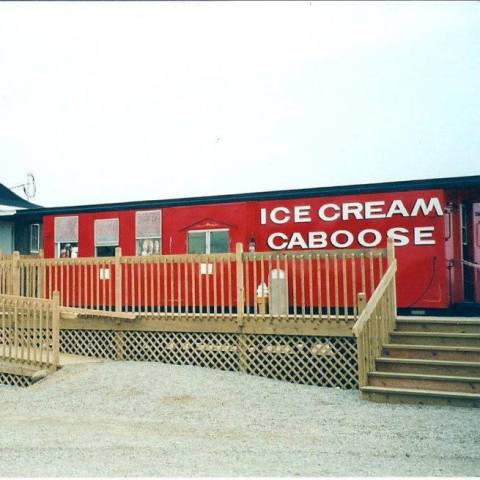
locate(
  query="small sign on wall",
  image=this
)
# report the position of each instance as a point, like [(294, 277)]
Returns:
[(104, 274), (206, 268)]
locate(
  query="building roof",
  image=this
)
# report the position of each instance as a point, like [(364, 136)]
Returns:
[(10, 202), (441, 183)]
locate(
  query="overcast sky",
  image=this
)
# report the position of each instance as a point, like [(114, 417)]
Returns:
[(108, 102)]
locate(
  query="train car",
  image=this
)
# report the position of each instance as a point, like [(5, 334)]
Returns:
[(434, 224)]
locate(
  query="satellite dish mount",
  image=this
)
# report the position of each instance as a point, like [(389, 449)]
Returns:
[(29, 187)]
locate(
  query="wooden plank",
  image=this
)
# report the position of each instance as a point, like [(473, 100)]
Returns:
[(118, 280), (18, 368), (240, 283), (202, 323), (55, 329), (71, 313)]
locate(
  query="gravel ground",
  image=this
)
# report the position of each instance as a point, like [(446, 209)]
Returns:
[(150, 419)]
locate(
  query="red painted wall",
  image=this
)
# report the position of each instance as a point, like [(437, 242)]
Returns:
[(422, 274), (86, 241)]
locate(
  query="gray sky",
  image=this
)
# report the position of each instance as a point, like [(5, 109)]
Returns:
[(109, 102)]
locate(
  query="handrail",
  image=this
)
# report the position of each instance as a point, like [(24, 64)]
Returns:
[(376, 321), (183, 256), (374, 299)]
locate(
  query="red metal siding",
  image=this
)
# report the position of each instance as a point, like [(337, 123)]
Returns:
[(422, 277)]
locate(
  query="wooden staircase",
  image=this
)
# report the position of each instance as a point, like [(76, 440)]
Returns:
[(428, 361)]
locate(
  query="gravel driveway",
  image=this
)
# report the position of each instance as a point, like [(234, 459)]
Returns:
[(151, 419)]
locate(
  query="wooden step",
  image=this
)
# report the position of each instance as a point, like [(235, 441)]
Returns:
[(438, 325), (437, 338), (429, 352), (424, 382), (423, 397), (428, 367)]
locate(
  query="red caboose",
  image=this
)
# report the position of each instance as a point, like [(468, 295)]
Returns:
[(435, 225)]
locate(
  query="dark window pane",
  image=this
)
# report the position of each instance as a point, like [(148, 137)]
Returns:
[(197, 242), (218, 242), (35, 238), (106, 251)]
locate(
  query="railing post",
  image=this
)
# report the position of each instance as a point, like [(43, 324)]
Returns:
[(56, 329), (242, 339), (240, 287), (390, 251), (361, 302), (362, 354), (119, 336), (16, 273), (41, 275), (391, 259), (118, 280)]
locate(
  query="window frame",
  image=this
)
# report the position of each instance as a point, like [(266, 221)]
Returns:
[(207, 239), (138, 251), (73, 243), (33, 250), (96, 246)]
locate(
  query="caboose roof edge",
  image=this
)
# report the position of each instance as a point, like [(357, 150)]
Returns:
[(383, 187)]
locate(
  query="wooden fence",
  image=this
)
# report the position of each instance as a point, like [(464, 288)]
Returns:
[(376, 321), (29, 331), (296, 284)]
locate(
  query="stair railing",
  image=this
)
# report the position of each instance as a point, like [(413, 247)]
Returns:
[(376, 320)]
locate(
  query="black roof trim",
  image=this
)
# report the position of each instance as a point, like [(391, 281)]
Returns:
[(443, 183), (10, 199)]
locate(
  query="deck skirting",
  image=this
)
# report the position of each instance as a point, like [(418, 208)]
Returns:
[(328, 361)]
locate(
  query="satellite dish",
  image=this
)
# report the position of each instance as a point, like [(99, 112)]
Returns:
[(29, 187)]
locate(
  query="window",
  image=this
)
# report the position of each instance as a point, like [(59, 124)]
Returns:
[(208, 241), (66, 236), (148, 227), (106, 237), (34, 238)]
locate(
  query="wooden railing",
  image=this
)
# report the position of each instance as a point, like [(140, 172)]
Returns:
[(29, 331), (308, 284), (376, 320), (294, 284)]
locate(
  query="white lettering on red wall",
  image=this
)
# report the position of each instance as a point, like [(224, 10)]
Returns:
[(352, 212)]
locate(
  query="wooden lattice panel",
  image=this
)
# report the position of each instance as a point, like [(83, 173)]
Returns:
[(15, 380), (213, 350), (323, 361), (92, 343)]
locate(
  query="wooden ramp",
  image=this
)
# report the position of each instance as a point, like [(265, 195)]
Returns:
[(30, 337), (17, 363)]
